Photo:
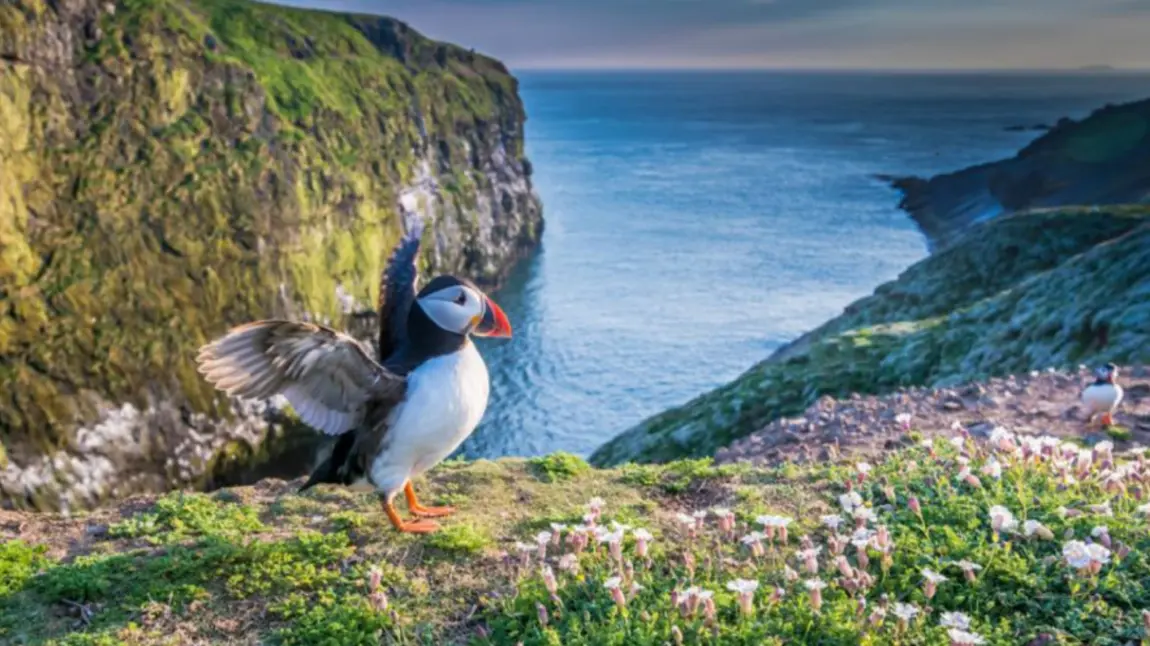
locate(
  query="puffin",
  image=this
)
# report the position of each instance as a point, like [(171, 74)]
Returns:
[(395, 416), (1104, 395)]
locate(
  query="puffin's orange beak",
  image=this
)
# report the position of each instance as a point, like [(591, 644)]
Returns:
[(494, 322)]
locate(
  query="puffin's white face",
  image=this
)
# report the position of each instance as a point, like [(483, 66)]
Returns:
[(456, 308)]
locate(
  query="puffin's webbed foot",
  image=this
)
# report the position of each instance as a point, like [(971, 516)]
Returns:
[(419, 510), (411, 527), (1107, 420)]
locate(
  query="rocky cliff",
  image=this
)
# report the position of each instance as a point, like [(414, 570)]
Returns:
[(1103, 159), (172, 167), (1028, 291)]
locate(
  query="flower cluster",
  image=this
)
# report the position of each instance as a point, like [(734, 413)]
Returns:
[(839, 557)]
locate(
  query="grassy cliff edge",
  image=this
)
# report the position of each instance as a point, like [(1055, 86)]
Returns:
[(1046, 544)]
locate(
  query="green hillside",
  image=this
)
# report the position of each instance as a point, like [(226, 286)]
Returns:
[(1036, 290)]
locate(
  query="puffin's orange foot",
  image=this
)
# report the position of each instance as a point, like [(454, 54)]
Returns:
[(418, 509), (432, 512), (1107, 420), (409, 527), (419, 527)]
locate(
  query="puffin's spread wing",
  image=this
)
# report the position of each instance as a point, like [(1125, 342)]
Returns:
[(327, 376), (397, 287)]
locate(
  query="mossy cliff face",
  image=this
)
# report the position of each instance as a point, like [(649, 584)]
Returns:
[(169, 168), (1102, 159), (1030, 291)]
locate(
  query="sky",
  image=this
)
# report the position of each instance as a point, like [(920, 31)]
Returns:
[(836, 34)]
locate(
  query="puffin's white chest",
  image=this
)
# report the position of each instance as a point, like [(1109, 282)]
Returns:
[(446, 398), (1102, 397)]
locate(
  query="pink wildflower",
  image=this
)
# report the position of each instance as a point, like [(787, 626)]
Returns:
[(612, 586), (815, 587), (746, 591)]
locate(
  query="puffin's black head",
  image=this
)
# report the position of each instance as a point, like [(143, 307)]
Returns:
[(455, 307), (1108, 372)]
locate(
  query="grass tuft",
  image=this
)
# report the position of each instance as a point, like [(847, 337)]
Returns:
[(559, 465), (460, 540)]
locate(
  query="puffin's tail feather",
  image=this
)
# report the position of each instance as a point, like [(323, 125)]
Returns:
[(323, 473), (330, 470)]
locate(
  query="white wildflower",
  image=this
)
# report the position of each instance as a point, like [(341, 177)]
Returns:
[(954, 620), (1001, 519), (934, 577), (850, 500), (834, 520), (1099, 553), (1076, 554), (964, 638), (992, 468), (742, 586), (905, 611)]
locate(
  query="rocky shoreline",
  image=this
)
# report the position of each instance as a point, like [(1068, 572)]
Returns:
[(1103, 159), (865, 427)]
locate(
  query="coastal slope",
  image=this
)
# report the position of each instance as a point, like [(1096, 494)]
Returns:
[(1103, 159), (174, 167), (1034, 290)]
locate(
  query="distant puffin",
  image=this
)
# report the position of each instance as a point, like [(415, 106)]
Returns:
[(1104, 395), (395, 418)]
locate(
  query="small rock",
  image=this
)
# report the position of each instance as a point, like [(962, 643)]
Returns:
[(981, 429)]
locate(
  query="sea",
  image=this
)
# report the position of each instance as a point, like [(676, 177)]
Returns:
[(696, 221)]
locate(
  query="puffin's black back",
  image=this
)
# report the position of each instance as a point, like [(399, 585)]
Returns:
[(396, 297)]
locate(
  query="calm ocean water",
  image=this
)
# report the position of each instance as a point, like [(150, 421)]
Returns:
[(696, 221)]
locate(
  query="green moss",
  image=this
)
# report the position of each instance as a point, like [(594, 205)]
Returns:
[(462, 539), (559, 465), (348, 520), (18, 563), (178, 515), (335, 620), (994, 304), (305, 562)]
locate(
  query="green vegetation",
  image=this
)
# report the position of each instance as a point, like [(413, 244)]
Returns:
[(179, 516), (1097, 160), (196, 164), (1031, 291), (18, 562), (558, 466), (266, 564), (1055, 532), (462, 539)]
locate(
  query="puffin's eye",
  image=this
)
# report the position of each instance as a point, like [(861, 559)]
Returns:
[(461, 299)]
